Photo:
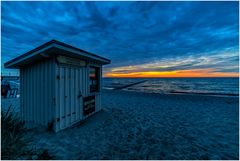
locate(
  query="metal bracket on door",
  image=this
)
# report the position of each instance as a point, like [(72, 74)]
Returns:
[(79, 94)]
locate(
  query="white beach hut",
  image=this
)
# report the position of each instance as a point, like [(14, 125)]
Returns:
[(60, 85)]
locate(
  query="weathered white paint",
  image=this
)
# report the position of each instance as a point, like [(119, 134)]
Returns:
[(50, 90), (50, 93), (36, 89), (72, 85)]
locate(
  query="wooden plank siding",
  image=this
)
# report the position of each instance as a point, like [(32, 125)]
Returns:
[(71, 82), (53, 93), (37, 93)]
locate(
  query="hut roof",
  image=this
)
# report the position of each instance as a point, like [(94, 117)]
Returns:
[(50, 48)]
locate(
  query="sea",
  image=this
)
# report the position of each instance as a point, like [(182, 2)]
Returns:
[(201, 86)]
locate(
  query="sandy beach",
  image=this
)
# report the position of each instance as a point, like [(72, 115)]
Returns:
[(149, 126)]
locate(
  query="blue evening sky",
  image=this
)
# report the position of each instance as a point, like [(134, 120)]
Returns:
[(135, 36)]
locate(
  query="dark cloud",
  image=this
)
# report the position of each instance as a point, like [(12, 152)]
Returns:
[(128, 33)]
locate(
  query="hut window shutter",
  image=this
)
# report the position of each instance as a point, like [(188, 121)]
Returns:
[(94, 79)]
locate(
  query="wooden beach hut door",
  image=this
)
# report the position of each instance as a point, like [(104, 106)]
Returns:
[(70, 96)]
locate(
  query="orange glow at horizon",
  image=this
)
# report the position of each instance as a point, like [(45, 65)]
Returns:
[(179, 73)]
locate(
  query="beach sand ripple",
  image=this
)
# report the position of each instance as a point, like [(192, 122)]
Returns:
[(150, 126)]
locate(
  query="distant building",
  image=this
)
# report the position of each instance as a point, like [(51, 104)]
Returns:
[(60, 85), (10, 72), (11, 78)]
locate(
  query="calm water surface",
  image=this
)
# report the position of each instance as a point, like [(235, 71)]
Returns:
[(211, 86)]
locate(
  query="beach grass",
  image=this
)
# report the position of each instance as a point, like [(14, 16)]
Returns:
[(13, 133), (15, 139)]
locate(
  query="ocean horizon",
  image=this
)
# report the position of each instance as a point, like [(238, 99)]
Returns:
[(224, 86)]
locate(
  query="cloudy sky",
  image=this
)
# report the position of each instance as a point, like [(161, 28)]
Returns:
[(142, 39)]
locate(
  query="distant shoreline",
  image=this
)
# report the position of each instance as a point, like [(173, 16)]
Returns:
[(178, 93)]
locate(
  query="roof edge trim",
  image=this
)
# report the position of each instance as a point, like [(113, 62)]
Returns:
[(52, 44), (20, 58)]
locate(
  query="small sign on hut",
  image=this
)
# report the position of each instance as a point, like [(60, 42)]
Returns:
[(60, 85)]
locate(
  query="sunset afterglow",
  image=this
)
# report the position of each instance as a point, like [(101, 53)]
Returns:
[(216, 65), (180, 73)]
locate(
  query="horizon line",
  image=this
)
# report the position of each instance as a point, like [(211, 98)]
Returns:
[(176, 77)]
